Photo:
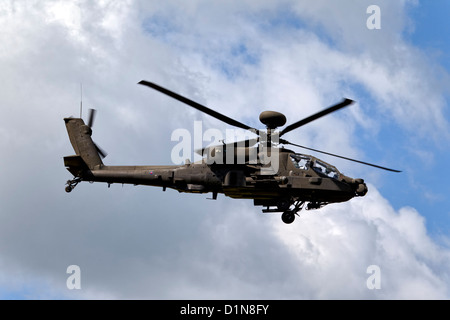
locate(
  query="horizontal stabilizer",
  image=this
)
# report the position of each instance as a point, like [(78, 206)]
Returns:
[(74, 161)]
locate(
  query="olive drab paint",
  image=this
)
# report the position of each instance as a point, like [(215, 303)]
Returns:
[(260, 169)]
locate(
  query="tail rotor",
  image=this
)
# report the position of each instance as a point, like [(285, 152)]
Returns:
[(101, 152)]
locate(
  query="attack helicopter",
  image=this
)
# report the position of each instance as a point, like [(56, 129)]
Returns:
[(262, 169)]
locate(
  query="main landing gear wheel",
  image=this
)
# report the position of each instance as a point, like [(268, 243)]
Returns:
[(288, 217)]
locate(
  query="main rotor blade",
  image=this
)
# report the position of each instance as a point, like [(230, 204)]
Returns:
[(198, 106), (316, 116), (91, 117), (338, 156)]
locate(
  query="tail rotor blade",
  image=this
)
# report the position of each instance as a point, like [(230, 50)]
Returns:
[(92, 113), (102, 153)]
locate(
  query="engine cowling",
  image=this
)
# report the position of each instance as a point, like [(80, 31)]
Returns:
[(231, 155)]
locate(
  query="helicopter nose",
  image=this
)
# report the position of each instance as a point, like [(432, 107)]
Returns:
[(361, 189), (358, 185)]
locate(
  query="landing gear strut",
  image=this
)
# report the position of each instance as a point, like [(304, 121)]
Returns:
[(71, 184), (289, 207)]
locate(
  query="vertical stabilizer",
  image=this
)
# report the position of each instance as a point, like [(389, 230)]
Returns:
[(80, 137)]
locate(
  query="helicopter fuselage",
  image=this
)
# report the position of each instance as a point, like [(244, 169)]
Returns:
[(276, 178), (299, 178)]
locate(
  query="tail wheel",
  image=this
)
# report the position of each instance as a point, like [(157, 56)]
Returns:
[(71, 184)]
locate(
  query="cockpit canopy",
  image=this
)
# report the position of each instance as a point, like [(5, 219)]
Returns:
[(306, 162)]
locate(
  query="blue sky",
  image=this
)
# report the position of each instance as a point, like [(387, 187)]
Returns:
[(431, 34), (428, 185), (239, 58)]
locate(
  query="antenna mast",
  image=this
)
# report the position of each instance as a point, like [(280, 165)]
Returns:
[(81, 100)]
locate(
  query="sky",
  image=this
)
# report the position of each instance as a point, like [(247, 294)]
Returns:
[(239, 58)]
